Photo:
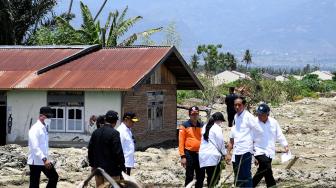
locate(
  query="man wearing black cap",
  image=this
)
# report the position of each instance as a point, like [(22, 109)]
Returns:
[(127, 139), (105, 150), (38, 160), (264, 145)]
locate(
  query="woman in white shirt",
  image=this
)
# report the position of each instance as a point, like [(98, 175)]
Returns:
[(212, 148)]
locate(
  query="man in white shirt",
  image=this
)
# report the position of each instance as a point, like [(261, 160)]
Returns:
[(241, 140), (264, 145), (38, 160), (127, 139)]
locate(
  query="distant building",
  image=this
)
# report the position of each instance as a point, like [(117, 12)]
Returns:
[(323, 75), (268, 76), (281, 78), (229, 76), (298, 77)]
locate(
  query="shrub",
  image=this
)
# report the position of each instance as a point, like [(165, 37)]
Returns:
[(312, 82)]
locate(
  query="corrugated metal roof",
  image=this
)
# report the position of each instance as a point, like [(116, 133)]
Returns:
[(105, 69), (17, 63), (112, 69)]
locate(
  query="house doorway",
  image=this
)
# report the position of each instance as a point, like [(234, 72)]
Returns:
[(3, 116)]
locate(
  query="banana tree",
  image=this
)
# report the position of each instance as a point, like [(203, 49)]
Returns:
[(116, 27)]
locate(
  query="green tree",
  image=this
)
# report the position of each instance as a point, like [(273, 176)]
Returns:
[(20, 18), (334, 77), (231, 61), (214, 61), (247, 58), (194, 62)]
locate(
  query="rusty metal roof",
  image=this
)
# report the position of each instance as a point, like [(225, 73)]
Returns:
[(103, 69), (17, 63)]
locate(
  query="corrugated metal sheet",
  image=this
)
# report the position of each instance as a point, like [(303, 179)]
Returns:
[(18, 63), (106, 69), (110, 69)]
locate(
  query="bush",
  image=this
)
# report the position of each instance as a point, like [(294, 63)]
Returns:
[(312, 82)]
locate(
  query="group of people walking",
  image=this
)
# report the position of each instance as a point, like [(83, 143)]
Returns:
[(109, 148), (202, 148)]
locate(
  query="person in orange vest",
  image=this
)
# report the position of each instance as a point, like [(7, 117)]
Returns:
[(190, 133)]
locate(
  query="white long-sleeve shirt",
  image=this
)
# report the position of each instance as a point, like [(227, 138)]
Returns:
[(208, 153), (127, 144), (265, 140), (242, 133), (37, 144)]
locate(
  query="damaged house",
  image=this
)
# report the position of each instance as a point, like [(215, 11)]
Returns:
[(80, 81)]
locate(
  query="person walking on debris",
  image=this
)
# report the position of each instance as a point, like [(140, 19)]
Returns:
[(229, 101), (38, 146), (189, 144), (212, 149), (264, 145), (105, 150), (241, 140), (127, 139)]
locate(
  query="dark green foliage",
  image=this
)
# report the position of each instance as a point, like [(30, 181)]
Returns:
[(215, 61), (312, 82), (20, 18), (194, 62)]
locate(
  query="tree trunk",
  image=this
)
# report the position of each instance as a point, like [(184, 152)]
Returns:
[(101, 8)]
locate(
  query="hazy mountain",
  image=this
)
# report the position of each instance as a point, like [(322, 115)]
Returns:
[(277, 31)]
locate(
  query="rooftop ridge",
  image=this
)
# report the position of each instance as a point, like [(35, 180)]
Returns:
[(44, 47)]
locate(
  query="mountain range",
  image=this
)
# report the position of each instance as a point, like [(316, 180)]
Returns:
[(278, 32)]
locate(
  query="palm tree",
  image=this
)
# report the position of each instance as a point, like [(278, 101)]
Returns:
[(247, 58), (194, 62)]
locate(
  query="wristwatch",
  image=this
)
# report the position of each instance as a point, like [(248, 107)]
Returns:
[(44, 159)]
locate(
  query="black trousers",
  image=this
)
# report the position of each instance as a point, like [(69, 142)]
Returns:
[(264, 170), (193, 167), (35, 173), (242, 170), (230, 116), (128, 171), (213, 173)]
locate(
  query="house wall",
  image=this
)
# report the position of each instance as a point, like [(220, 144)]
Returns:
[(225, 77), (137, 102), (95, 103), (99, 102), (24, 108)]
